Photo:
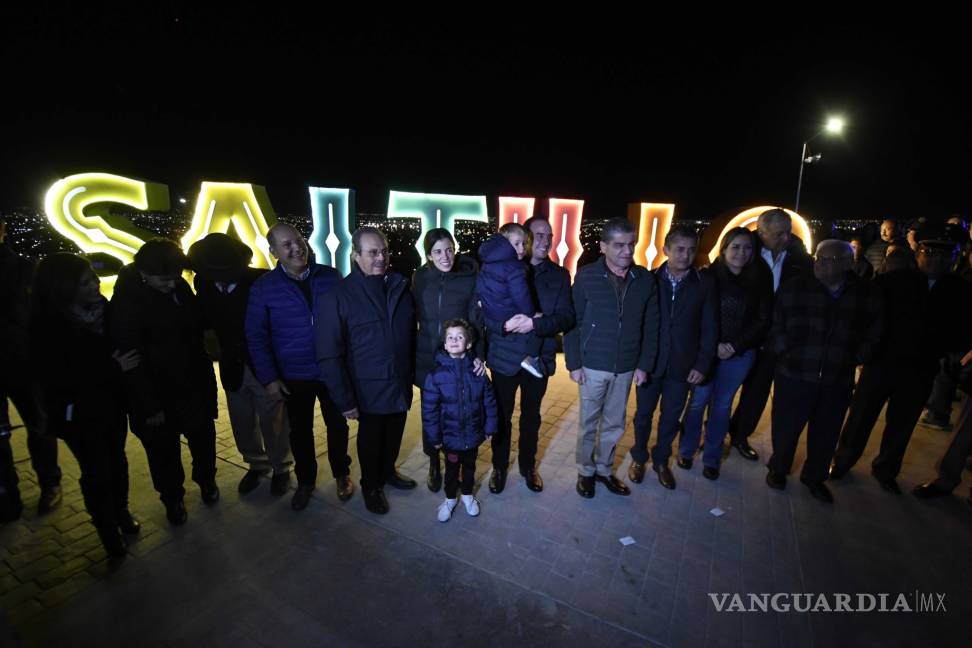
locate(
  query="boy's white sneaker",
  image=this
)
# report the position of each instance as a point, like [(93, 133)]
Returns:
[(533, 366), (471, 504), (445, 509)]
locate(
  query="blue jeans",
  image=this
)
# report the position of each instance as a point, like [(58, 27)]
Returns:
[(717, 395)]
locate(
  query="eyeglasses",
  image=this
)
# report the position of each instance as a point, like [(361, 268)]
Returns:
[(832, 260)]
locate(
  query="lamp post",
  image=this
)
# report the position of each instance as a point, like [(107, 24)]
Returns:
[(834, 126)]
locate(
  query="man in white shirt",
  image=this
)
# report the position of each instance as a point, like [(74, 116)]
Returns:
[(784, 257)]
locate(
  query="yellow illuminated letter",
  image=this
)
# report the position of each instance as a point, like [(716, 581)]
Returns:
[(652, 222), (245, 206), (79, 208)]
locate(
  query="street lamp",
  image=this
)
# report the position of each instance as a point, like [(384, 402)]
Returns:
[(834, 126)]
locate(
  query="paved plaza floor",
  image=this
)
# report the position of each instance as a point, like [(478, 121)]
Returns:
[(532, 569)]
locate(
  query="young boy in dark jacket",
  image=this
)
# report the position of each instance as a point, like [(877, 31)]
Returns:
[(458, 413), (502, 287)]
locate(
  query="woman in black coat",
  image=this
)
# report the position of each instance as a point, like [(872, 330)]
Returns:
[(444, 289), (173, 390), (79, 373), (745, 311)]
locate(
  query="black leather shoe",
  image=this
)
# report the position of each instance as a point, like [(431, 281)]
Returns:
[(533, 481), (683, 463), (250, 481), (746, 450), (710, 473), (636, 472), (113, 541), (836, 472), (280, 484), (497, 481), (176, 513), (929, 491), (889, 485), (50, 497), (128, 523), (819, 491), (434, 482), (400, 481), (345, 488), (585, 486), (301, 497), (665, 477), (613, 484), (375, 501), (210, 493), (776, 480)]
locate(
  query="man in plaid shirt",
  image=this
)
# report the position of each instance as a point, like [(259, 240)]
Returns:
[(823, 327)]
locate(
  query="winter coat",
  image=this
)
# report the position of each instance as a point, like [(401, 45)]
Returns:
[(174, 374), (689, 330), (745, 305), (501, 286), (613, 333), (441, 296), (458, 407), (366, 343), (280, 324), (225, 313), (550, 285)]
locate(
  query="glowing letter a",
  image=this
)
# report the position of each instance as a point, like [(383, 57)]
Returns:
[(246, 206)]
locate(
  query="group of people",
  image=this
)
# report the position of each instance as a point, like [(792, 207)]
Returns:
[(763, 316)]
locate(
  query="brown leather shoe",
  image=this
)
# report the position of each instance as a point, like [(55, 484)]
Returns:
[(533, 481), (665, 477), (613, 484), (636, 472), (345, 488)]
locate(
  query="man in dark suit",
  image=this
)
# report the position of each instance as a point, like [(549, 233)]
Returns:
[(259, 422), (687, 340), (785, 258), (365, 332)]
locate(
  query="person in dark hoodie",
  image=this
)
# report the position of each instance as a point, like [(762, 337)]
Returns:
[(503, 290), (444, 289), (259, 422), (365, 333), (458, 413), (745, 311), (79, 372), (172, 391)]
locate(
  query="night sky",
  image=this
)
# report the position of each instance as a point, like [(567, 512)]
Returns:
[(609, 110)]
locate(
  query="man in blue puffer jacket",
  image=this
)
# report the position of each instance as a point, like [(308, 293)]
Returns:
[(458, 413), (280, 336)]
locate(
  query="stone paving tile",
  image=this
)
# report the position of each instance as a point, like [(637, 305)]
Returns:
[(533, 567)]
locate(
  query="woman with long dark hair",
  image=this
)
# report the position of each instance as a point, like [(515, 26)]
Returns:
[(745, 298), (79, 374), (444, 289)]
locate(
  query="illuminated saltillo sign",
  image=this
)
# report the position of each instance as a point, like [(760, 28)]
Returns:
[(79, 208)]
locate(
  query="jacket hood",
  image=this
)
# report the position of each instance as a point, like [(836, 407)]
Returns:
[(496, 249)]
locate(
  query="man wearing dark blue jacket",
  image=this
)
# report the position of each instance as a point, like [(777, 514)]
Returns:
[(614, 344), (550, 285), (689, 333), (366, 354), (280, 336)]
